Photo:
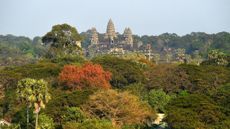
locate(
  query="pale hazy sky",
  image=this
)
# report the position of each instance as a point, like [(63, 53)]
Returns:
[(152, 17)]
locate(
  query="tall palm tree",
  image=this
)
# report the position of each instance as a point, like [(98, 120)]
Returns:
[(25, 94), (41, 96), (34, 93)]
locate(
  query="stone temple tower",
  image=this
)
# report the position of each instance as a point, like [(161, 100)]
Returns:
[(128, 36), (110, 32), (94, 36)]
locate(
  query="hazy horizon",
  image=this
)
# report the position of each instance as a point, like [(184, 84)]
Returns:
[(145, 17)]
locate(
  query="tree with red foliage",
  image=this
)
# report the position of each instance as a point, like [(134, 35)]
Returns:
[(86, 76)]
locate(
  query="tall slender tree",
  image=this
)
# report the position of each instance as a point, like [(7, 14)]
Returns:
[(35, 93), (41, 96), (25, 94)]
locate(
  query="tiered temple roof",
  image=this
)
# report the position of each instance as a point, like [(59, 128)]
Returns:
[(128, 36), (110, 31), (94, 36)]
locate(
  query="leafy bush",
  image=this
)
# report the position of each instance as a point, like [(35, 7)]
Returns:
[(137, 89), (222, 97), (45, 122), (61, 100), (158, 99), (90, 124), (74, 114), (21, 116)]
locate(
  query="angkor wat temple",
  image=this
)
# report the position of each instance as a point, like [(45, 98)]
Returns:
[(112, 42)]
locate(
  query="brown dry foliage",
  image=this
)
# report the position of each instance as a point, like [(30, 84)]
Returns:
[(119, 107)]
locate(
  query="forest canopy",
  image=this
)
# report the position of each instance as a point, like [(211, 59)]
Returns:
[(51, 82)]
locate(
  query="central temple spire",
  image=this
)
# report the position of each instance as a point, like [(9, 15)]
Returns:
[(110, 32)]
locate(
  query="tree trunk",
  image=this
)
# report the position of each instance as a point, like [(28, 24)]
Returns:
[(27, 117), (36, 124)]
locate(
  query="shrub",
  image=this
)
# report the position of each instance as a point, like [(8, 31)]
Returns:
[(138, 89), (74, 114), (90, 124), (58, 107), (45, 122), (158, 99)]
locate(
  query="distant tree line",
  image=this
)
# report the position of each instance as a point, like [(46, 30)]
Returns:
[(18, 50), (200, 41)]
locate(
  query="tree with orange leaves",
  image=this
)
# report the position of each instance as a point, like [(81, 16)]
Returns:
[(87, 76)]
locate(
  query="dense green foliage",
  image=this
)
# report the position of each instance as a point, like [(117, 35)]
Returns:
[(190, 42), (196, 111), (123, 71), (194, 79), (58, 107), (90, 124), (45, 122), (20, 50), (20, 117), (61, 36), (74, 114), (190, 95), (158, 99), (10, 75), (222, 97), (62, 40)]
